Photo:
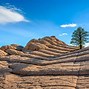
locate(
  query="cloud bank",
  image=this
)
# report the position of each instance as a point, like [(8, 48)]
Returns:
[(68, 25), (86, 44), (10, 16), (63, 34)]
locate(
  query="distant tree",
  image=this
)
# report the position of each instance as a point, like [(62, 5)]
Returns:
[(80, 37)]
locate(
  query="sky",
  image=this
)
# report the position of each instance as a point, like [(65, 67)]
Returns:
[(23, 20)]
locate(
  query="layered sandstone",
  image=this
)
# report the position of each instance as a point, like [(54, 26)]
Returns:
[(46, 63)]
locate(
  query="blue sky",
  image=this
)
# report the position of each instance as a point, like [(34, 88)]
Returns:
[(23, 20)]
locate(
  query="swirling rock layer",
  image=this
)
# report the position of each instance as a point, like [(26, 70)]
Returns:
[(55, 65)]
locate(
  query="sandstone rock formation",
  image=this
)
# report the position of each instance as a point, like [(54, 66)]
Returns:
[(12, 46), (47, 63), (2, 53), (44, 43), (35, 46)]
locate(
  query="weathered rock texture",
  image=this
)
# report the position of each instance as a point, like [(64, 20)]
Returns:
[(47, 63)]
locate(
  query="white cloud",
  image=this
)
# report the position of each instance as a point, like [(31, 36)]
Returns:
[(63, 34), (10, 16), (86, 44), (68, 25)]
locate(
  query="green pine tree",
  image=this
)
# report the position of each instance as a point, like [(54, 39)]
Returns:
[(79, 37)]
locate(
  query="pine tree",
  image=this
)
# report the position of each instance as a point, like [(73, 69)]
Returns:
[(80, 37)]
